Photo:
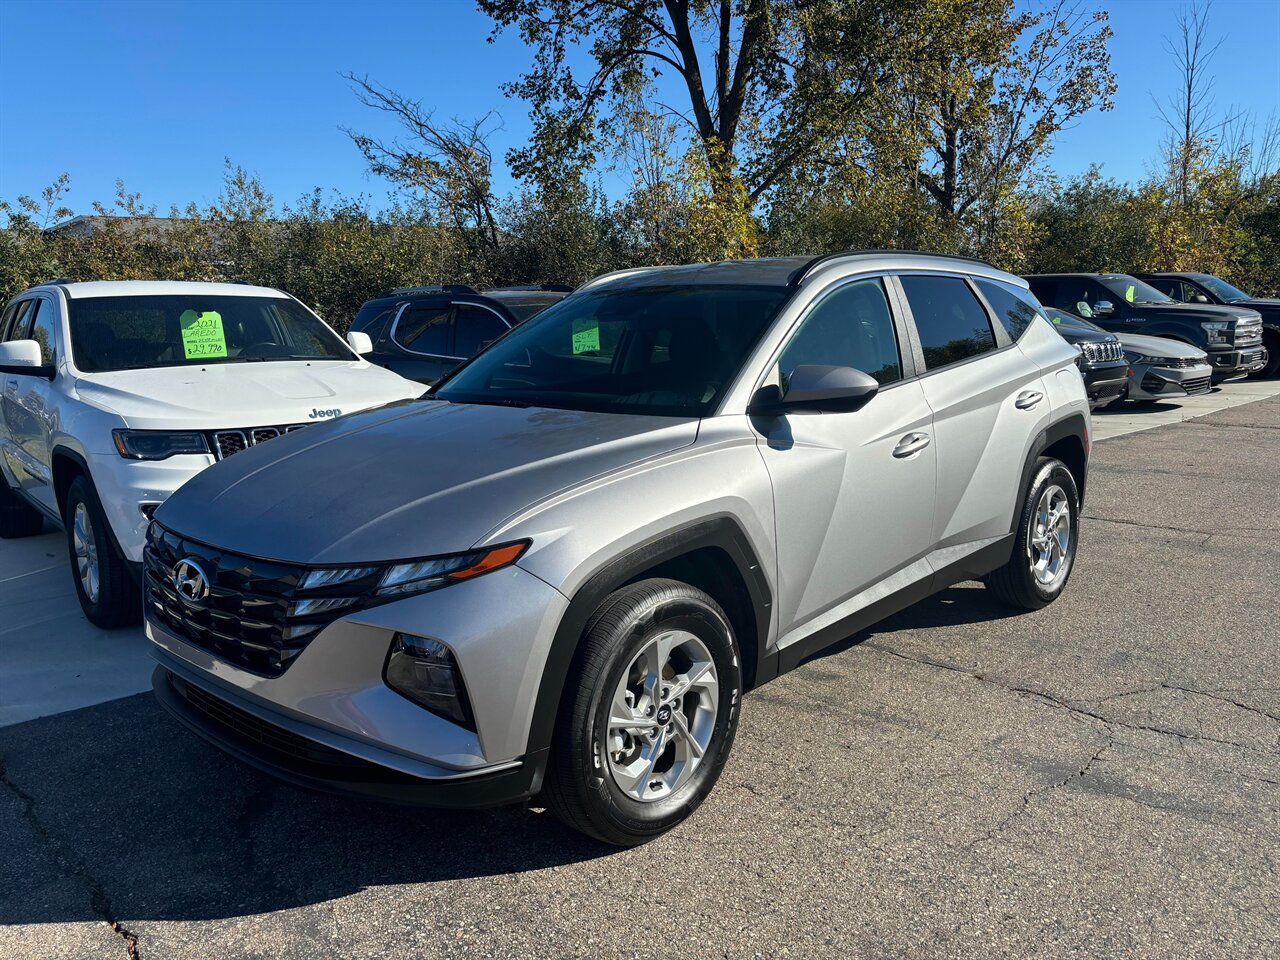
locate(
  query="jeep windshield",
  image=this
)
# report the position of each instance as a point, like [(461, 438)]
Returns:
[(136, 332), (655, 350)]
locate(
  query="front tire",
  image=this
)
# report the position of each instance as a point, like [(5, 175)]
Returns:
[(649, 713), (1045, 548), (108, 595), (1271, 341)]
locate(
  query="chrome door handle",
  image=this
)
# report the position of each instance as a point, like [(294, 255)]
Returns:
[(910, 445), (1028, 399)]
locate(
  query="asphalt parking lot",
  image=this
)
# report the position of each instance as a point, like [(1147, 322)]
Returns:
[(1099, 779)]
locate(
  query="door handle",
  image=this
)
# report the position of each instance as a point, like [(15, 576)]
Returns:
[(1028, 399), (910, 445)]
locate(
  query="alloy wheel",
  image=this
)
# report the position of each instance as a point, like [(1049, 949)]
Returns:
[(662, 716), (86, 551), (1049, 543)]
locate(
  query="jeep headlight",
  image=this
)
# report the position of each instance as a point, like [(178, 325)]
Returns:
[(158, 444), (1218, 331)]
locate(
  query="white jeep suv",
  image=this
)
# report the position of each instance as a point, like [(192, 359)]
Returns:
[(114, 394)]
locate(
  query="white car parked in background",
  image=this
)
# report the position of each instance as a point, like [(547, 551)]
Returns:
[(112, 395)]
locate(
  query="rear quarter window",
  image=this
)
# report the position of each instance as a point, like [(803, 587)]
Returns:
[(1014, 307)]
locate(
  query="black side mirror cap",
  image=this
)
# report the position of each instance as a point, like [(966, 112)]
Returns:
[(817, 387)]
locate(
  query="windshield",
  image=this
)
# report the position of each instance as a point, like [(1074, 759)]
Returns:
[(1221, 289), (1133, 290), (1060, 318), (661, 351), (129, 333)]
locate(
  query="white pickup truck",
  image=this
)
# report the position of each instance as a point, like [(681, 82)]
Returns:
[(114, 394)]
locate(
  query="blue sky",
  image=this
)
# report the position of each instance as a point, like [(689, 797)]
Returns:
[(158, 93)]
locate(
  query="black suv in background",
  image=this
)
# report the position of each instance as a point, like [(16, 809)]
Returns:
[(1231, 336), (1206, 288), (424, 332), (1102, 361)]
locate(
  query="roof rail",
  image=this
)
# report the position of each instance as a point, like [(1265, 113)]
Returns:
[(461, 288), (800, 274), (534, 287), (54, 282)]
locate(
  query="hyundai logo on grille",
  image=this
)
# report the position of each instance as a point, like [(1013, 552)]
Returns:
[(191, 581)]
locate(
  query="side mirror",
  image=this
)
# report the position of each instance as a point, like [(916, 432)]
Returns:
[(24, 357), (1104, 308), (359, 342), (816, 387)]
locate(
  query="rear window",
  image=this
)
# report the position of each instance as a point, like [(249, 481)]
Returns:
[(130, 333), (1013, 306), (951, 322)]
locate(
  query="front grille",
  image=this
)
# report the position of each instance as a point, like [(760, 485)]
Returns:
[(1178, 363), (1248, 333), (1198, 385), (224, 443), (1108, 351), (247, 618)]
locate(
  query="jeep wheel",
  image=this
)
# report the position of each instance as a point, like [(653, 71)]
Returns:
[(1045, 549), (108, 594), (17, 517), (649, 714)]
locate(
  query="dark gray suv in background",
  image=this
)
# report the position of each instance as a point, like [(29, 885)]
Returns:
[(557, 573)]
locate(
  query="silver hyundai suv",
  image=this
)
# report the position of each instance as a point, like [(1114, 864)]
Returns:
[(555, 575)]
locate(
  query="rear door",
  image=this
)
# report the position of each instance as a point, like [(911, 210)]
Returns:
[(988, 401), (421, 341)]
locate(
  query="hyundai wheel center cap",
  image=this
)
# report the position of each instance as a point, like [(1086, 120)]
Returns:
[(191, 581), (664, 715)]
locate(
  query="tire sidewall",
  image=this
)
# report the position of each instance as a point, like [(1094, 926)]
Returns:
[(709, 625), (1053, 472), (81, 491)]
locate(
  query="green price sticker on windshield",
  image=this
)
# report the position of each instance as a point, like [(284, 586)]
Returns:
[(202, 337), (586, 336), (1129, 291)]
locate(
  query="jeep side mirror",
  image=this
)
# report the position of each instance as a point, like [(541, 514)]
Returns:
[(817, 387), (24, 357), (359, 342), (1104, 308)]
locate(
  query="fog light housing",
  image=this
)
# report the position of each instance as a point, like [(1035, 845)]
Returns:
[(425, 671)]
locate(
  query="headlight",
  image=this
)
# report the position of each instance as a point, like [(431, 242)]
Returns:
[(157, 444), (1218, 331), (419, 576)]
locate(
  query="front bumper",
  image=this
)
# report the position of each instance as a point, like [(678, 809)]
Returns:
[(1231, 362), (1150, 381), (289, 756), (1104, 383), (127, 488)]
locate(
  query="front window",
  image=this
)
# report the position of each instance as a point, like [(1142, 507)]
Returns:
[(654, 350), (135, 332), (1133, 290), (1222, 290)]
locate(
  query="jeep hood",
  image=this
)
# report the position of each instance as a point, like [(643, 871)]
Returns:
[(223, 395), (409, 480)]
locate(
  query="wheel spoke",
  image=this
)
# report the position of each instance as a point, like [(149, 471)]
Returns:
[(686, 735), (694, 678)]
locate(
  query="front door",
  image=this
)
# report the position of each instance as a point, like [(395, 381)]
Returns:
[(853, 492), (29, 409)]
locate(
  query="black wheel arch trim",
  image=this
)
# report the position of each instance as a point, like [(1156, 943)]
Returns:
[(1073, 425), (65, 451), (722, 532)]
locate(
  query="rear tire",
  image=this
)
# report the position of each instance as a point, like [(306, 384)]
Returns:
[(1271, 341), (108, 595), (643, 735), (17, 517), (1045, 548)]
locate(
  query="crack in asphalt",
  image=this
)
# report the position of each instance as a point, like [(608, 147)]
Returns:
[(1242, 533), (1049, 699), (99, 900), (1024, 808)]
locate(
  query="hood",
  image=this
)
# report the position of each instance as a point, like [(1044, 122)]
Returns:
[(1194, 312), (1159, 346), (1266, 306), (410, 480), (242, 394), (1072, 333)]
